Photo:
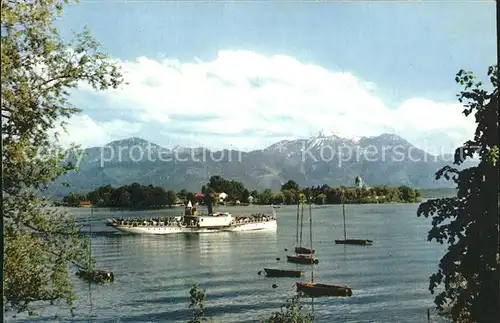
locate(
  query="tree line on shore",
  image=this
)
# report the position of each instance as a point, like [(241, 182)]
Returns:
[(136, 196)]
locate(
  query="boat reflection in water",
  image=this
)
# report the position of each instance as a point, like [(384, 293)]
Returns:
[(225, 244)]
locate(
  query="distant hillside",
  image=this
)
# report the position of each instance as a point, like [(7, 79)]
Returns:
[(382, 160)]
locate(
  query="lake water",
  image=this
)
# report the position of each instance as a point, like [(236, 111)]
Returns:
[(153, 274)]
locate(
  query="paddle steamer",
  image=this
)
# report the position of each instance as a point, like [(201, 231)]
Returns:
[(192, 222)]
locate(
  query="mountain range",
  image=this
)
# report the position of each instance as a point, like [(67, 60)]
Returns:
[(381, 160)]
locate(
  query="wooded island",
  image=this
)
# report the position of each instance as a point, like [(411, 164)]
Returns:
[(229, 192)]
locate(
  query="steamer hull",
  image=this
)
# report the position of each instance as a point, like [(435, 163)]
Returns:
[(232, 226), (193, 222), (157, 229), (267, 225)]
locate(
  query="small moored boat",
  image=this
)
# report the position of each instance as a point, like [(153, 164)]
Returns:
[(96, 276), (283, 273), (319, 290), (88, 273), (302, 259), (304, 251), (358, 242), (361, 242)]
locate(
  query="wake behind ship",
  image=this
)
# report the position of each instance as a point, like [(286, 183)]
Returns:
[(192, 222)]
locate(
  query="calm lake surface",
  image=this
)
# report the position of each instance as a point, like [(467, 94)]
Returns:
[(153, 274)]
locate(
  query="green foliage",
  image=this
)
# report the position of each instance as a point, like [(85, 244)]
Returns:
[(330, 195), (291, 192), (320, 199), (235, 190), (136, 196), (246, 195), (265, 197), (290, 186), (468, 222), (133, 196), (291, 312), (171, 198), (197, 301), (74, 199), (38, 72), (183, 195)]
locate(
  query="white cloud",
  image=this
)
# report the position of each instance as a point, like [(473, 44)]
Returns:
[(246, 100), (86, 132)]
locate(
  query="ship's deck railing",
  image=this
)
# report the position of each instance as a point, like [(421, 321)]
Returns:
[(174, 222)]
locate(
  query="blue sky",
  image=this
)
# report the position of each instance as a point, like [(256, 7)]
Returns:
[(397, 59)]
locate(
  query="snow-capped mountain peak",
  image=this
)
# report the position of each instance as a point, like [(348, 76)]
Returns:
[(322, 138)]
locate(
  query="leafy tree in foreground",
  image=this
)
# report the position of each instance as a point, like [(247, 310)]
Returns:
[(291, 312), (38, 72), (197, 305), (469, 221)]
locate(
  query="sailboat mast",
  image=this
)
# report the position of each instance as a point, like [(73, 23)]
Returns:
[(90, 234), (301, 223), (343, 216), (311, 241), (297, 235)]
